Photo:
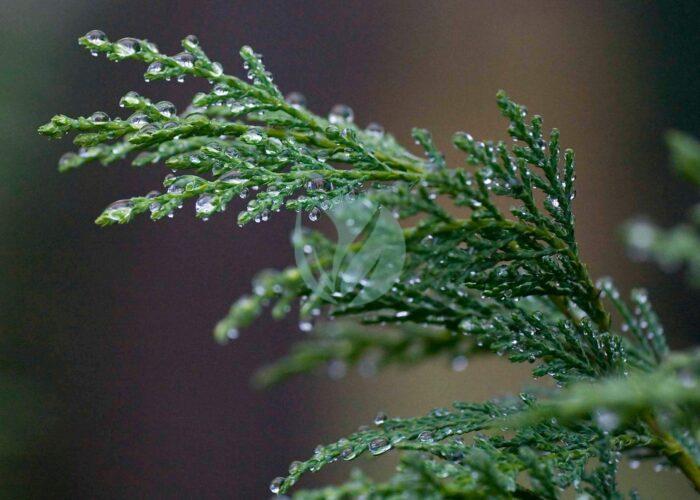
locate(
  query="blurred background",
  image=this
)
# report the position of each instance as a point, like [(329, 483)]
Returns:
[(111, 385)]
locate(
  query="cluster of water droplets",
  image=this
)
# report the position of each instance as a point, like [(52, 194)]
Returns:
[(607, 288), (154, 206)]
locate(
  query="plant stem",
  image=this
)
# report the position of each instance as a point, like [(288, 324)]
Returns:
[(674, 451)]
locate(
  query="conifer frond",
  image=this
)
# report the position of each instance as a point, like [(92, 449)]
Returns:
[(338, 346), (554, 438), (677, 246), (685, 155), (508, 282)]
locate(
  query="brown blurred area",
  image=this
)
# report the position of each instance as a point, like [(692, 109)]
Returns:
[(108, 330)]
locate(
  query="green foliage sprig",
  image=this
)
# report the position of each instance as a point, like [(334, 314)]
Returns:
[(679, 245), (505, 282)]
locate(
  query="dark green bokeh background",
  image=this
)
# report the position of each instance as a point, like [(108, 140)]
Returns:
[(112, 386)]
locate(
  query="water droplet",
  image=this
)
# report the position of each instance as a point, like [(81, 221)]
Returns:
[(205, 204), (154, 206), (175, 189), (294, 466), (316, 182), (460, 363), (375, 130), (99, 117), (155, 67), (296, 100), (180, 185), (148, 130), (340, 113), (641, 235), (337, 369), (348, 454), (126, 47), (130, 99), (379, 445), (232, 333), (217, 69), (686, 379), (380, 418), (184, 59), (634, 464), (119, 210), (220, 89), (138, 120), (313, 214), (607, 420), (640, 296), (166, 108), (243, 194), (67, 159), (306, 326), (232, 177), (96, 37), (192, 40), (253, 136), (276, 485), (425, 437)]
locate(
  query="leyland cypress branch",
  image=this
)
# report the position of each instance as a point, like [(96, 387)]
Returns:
[(510, 282)]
